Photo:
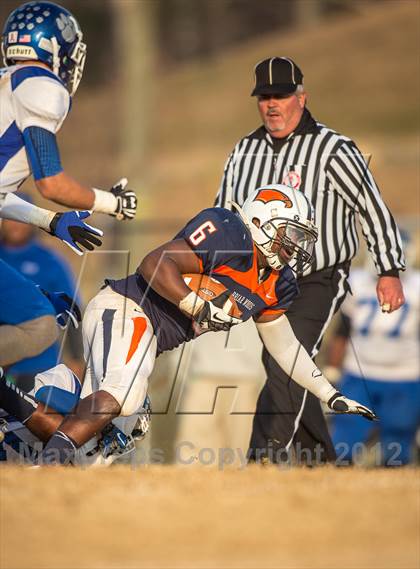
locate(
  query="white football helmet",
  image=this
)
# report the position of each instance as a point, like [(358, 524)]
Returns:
[(281, 221)]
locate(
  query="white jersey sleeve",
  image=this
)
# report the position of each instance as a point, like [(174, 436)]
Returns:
[(30, 95), (42, 102)]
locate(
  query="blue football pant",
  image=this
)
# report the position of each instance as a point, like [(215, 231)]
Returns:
[(397, 403)]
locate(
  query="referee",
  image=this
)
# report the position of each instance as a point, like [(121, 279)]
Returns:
[(292, 148)]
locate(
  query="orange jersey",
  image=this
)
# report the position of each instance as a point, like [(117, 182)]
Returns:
[(225, 248)]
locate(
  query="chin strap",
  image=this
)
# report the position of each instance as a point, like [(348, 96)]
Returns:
[(56, 59), (241, 213)]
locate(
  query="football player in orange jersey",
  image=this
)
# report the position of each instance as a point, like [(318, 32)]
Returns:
[(254, 253)]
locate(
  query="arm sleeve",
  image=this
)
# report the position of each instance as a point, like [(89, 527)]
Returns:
[(351, 178), (42, 152), (15, 208), (291, 356), (42, 102)]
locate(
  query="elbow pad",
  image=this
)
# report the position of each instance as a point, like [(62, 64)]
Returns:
[(291, 356)]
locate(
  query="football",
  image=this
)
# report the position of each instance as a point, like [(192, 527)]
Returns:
[(208, 289)]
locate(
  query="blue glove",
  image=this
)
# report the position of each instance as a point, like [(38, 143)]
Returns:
[(66, 309), (70, 228)]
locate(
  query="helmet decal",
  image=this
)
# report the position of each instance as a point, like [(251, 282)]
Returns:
[(267, 195), (67, 28), (281, 222)]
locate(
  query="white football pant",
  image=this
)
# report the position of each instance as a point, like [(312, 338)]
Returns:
[(119, 348)]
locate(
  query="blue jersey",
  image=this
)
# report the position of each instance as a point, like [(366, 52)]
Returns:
[(40, 264), (224, 246), (45, 268), (21, 300)]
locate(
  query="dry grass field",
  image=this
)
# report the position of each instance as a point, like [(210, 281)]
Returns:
[(173, 517)]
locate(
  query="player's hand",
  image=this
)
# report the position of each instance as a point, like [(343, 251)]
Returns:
[(115, 442), (70, 228), (390, 293), (66, 310), (340, 404), (212, 315), (126, 201)]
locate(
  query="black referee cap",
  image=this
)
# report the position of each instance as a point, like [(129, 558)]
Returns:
[(276, 76)]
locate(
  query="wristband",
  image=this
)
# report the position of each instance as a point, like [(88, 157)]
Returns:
[(105, 202), (191, 304)]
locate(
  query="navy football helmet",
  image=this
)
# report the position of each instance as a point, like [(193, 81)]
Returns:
[(46, 32)]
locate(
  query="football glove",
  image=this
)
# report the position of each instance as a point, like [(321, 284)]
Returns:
[(144, 419), (340, 404), (66, 310), (70, 228), (212, 316), (126, 201)]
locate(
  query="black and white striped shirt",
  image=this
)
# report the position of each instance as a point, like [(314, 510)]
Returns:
[(331, 171)]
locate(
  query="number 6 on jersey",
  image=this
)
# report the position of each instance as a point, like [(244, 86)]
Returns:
[(199, 234)]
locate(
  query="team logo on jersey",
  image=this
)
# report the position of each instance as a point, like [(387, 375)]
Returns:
[(12, 37), (266, 196), (293, 180)]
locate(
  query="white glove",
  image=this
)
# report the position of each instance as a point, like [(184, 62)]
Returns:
[(118, 202), (340, 404), (126, 200), (210, 315)]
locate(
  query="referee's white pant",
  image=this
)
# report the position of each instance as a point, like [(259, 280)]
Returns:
[(119, 348)]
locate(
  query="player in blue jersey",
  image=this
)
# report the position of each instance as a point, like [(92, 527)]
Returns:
[(28, 316), (379, 356), (44, 56), (132, 320), (21, 249), (26, 327)]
